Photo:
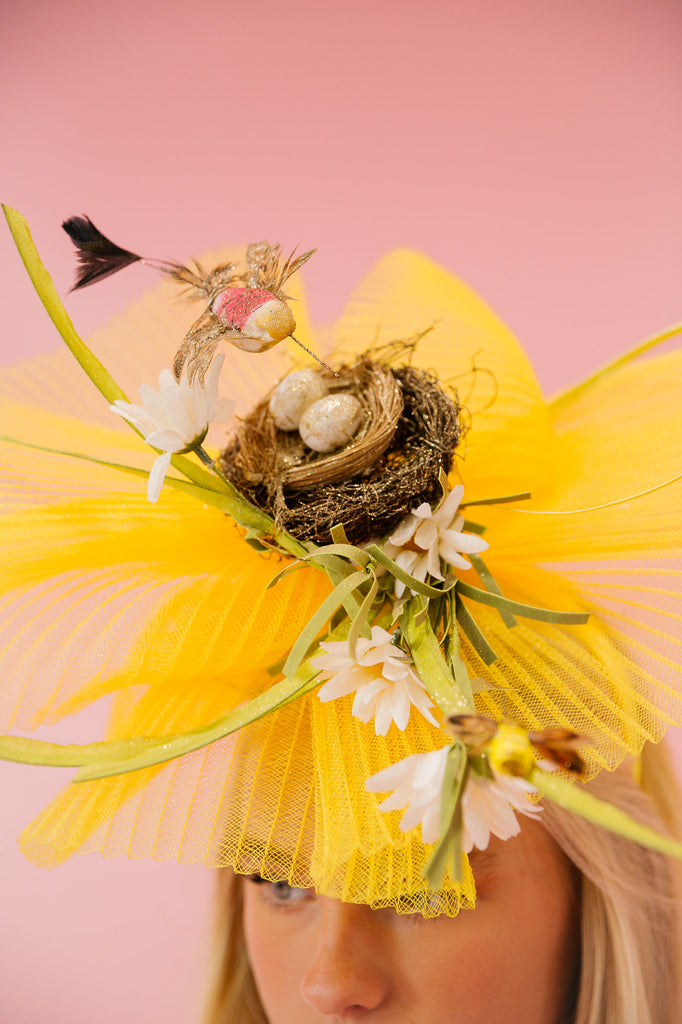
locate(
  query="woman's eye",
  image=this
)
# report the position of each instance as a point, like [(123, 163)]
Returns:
[(282, 892)]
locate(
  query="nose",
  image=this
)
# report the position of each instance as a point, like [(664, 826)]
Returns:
[(350, 970)]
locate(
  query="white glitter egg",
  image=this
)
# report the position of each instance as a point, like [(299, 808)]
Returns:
[(330, 422), (292, 395)]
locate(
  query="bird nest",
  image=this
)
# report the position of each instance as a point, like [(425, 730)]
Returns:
[(407, 438)]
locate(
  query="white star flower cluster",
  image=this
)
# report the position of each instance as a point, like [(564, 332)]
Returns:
[(381, 676), (426, 540)]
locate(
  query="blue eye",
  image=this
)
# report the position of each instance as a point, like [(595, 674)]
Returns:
[(281, 892), (285, 893)]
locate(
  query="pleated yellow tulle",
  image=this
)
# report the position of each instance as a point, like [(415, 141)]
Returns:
[(166, 606)]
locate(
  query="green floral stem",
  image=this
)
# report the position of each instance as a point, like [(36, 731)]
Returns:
[(212, 464), (453, 696), (560, 401), (574, 797), (47, 293)]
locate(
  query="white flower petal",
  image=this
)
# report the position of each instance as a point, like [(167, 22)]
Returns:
[(423, 512), (422, 801), (433, 562), (393, 776), (384, 716), (448, 509), (420, 699), (412, 817), (134, 414), (468, 543), (178, 406), (372, 690), (489, 805), (453, 558), (157, 475), (429, 770), (153, 405), (178, 414), (213, 378), (398, 702), (426, 534), (431, 823), (340, 685), (167, 440), (403, 531), (407, 560), (365, 710), (385, 684)]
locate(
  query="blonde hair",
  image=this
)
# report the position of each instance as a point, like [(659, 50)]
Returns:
[(629, 912)]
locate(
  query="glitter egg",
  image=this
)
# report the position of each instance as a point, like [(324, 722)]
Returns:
[(291, 396), (330, 422)]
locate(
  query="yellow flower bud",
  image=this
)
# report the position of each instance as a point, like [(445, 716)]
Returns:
[(510, 750)]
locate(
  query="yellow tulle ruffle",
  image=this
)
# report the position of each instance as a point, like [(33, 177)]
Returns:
[(166, 607)]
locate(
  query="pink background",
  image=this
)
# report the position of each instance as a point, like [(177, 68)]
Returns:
[(533, 148)]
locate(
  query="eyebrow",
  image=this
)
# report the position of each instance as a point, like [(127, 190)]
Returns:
[(480, 860)]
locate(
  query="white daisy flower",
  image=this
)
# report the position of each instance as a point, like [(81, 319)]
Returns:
[(417, 782), (488, 805), (175, 418), (380, 675), (425, 539)]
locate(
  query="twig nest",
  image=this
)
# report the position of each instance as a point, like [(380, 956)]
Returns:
[(330, 422), (406, 439), (292, 395)]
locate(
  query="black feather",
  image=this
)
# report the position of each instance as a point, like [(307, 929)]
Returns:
[(97, 256)]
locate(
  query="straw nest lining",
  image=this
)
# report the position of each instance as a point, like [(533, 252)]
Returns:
[(409, 433)]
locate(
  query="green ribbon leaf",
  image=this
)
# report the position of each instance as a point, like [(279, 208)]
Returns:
[(106, 760), (338, 534), (348, 551), (453, 655), (449, 845), (117, 757), (286, 571), (504, 499), (23, 750), (474, 634), (415, 585), (317, 621), (167, 748), (452, 696), (360, 625), (574, 797), (525, 611), (492, 586)]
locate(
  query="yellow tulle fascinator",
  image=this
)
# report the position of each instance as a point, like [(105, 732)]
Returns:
[(392, 604)]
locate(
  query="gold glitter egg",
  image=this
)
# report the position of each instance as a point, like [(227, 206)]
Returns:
[(292, 395), (330, 422)]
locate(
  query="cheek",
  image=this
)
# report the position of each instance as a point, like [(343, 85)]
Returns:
[(515, 973)]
